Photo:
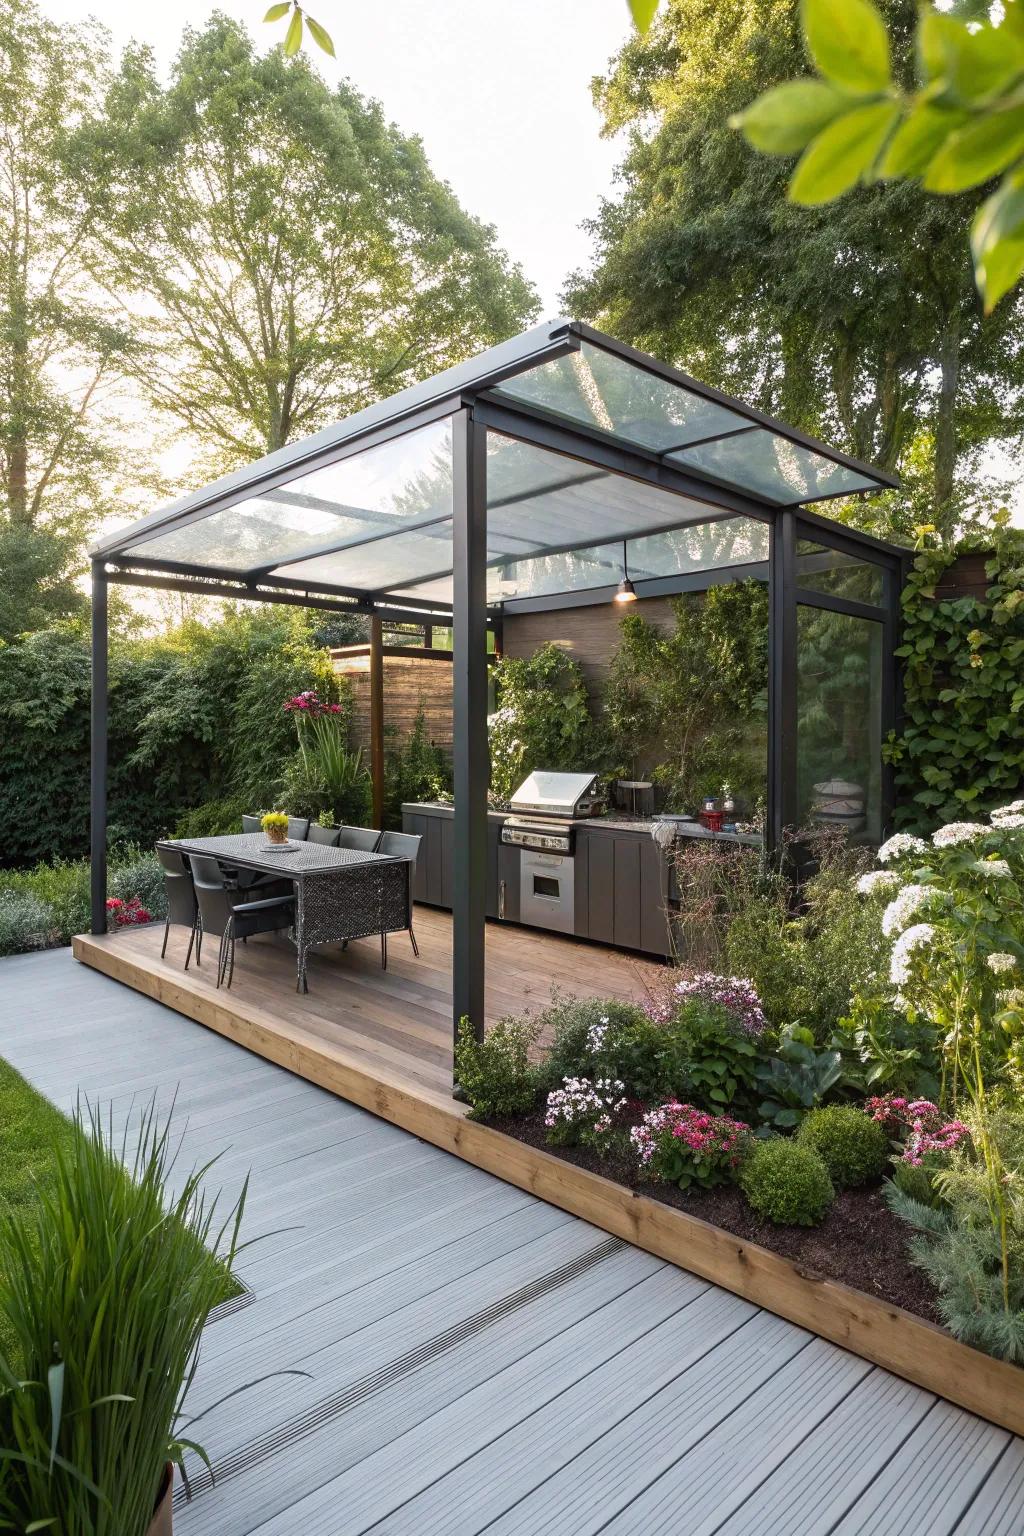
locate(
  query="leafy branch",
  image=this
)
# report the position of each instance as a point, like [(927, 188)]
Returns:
[(293, 35)]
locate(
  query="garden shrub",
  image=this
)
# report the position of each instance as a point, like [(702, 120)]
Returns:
[(26, 922), (64, 887), (216, 818), (543, 716), (962, 745), (795, 1078), (582, 1112), (414, 769), (852, 1145), (495, 1074), (721, 1062), (682, 1145), (141, 878), (978, 1279), (603, 1037), (787, 1184)]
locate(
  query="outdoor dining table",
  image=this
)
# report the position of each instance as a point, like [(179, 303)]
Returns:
[(340, 893)]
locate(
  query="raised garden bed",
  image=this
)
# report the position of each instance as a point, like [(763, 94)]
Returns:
[(860, 1242)]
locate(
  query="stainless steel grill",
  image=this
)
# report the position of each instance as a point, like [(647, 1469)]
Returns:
[(546, 809)]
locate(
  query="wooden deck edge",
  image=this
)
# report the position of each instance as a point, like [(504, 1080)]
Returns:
[(886, 1335)]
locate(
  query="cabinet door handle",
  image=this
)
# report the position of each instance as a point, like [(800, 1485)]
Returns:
[(501, 898)]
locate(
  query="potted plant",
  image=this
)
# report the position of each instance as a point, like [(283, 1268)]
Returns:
[(106, 1270), (275, 825)]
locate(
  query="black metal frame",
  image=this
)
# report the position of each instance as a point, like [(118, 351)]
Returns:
[(468, 396)]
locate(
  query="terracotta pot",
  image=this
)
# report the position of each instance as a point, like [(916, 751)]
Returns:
[(277, 834), (160, 1525)]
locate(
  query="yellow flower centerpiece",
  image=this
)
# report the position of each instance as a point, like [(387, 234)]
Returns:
[(275, 825)]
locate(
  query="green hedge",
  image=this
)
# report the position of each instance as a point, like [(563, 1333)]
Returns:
[(962, 746), (194, 717)]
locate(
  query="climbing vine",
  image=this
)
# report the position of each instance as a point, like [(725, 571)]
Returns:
[(962, 746)]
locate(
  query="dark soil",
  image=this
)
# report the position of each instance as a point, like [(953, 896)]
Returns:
[(860, 1242)]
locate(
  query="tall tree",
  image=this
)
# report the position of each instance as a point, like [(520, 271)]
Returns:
[(858, 321), (59, 355), (291, 255)]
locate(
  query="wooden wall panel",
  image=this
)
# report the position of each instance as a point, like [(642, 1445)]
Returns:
[(409, 680), (590, 634)]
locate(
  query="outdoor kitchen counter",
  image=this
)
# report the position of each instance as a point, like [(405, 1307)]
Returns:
[(621, 875)]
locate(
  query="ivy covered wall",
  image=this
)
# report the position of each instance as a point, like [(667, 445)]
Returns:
[(961, 748)]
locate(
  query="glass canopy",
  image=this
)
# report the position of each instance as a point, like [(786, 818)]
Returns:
[(376, 521)]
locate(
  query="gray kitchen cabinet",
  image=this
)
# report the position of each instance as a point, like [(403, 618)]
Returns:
[(436, 826)]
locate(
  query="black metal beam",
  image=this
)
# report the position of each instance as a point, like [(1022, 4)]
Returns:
[(98, 758), (783, 808), (850, 541), (807, 597), (652, 586), (469, 711), (397, 615)]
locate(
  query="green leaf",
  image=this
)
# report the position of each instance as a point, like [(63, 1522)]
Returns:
[(843, 154), (293, 37), (643, 13), (55, 1382), (971, 65), (918, 138), (786, 118), (848, 42), (977, 152), (320, 35), (277, 11), (997, 241)]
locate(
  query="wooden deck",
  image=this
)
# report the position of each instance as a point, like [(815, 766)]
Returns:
[(396, 1022), (468, 1358)]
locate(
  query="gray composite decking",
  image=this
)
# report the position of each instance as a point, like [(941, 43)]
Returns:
[(452, 1355)]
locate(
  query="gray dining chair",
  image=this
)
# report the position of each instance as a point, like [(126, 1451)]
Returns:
[(327, 837), (252, 823), (364, 839), (250, 880), (298, 828), (403, 845), (182, 909), (219, 914)]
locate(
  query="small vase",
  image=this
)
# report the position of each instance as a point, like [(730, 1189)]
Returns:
[(277, 834)]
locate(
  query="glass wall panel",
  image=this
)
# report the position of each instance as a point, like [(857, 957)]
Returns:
[(838, 574), (839, 721), (397, 485)]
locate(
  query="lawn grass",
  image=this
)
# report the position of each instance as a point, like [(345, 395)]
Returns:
[(32, 1132)]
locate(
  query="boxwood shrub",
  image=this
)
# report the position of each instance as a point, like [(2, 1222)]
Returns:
[(787, 1183), (852, 1146)]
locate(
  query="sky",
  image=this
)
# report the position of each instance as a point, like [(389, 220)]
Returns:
[(499, 93)]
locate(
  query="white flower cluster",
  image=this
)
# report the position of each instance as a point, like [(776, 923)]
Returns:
[(954, 833), (596, 1035), (1012, 997), (579, 1102), (911, 900), (899, 844), (917, 937), (994, 868), (877, 881), (1007, 821), (1000, 962), (1015, 809)]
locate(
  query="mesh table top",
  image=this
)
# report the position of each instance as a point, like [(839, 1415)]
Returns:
[(292, 861)]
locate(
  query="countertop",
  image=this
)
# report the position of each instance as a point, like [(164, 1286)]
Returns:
[(618, 823)]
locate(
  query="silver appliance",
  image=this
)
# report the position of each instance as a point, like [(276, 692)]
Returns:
[(545, 811)]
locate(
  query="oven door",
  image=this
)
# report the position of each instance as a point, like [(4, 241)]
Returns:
[(547, 890)]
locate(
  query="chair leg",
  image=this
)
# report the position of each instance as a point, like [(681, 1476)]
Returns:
[(383, 950), (167, 929), (191, 945), (231, 949), (415, 946), (221, 957), (199, 939)]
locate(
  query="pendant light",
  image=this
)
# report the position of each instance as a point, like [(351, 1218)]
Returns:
[(626, 592)]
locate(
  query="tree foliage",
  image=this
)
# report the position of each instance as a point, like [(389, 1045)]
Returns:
[(857, 320), (60, 354), (283, 254), (959, 127)]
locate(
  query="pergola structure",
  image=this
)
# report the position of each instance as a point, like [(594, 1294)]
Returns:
[(542, 474)]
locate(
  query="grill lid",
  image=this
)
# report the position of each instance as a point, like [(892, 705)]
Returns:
[(557, 793)]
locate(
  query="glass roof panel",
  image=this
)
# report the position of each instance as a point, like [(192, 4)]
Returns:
[(772, 466), (397, 485), (701, 547), (596, 388)]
